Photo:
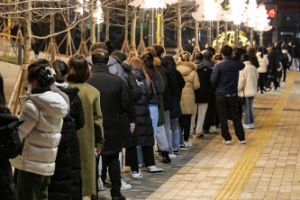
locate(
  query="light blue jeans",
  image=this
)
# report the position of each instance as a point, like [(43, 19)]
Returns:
[(176, 134), (248, 110), (153, 108)]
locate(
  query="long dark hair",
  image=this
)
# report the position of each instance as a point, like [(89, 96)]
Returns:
[(3, 108)]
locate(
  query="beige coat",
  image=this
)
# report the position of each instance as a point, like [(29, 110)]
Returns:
[(188, 71), (90, 136)]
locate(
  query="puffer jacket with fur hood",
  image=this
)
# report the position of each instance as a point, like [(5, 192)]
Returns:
[(188, 71), (42, 114)]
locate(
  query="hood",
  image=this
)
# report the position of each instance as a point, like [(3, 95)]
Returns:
[(53, 103), (185, 68), (156, 62), (111, 61), (284, 51), (126, 67), (138, 74)]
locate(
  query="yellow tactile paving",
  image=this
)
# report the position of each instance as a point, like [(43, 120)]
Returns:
[(234, 184), (222, 171)]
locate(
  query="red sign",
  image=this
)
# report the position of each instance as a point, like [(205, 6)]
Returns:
[(272, 13)]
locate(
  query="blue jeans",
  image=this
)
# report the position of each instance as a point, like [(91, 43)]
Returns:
[(248, 110), (176, 134), (153, 108)]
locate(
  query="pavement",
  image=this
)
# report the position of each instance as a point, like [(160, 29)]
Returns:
[(266, 167)]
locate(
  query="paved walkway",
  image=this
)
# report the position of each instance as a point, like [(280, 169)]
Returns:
[(267, 167)]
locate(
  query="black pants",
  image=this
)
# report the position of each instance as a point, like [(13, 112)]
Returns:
[(131, 158), (227, 105), (113, 163), (284, 73), (274, 80), (32, 186), (261, 81), (148, 155), (185, 125)]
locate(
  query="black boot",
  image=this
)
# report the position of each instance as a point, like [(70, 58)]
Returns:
[(165, 157)]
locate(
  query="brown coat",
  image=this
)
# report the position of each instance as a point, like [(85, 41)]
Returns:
[(188, 71)]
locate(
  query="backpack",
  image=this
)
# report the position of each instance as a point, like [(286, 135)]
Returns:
[(10, 143)]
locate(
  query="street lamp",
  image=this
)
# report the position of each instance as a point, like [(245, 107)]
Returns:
[(152, 5)]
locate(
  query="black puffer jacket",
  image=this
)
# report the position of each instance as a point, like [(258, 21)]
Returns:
[(114, 101), (144, 130), (66, 181), (202, 95), (129, 139), (10, 147)]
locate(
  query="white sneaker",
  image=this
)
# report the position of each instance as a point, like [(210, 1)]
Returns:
[(243, 141), (100, 185), (153, 169), (125, 186), (227, 142), (137, 175), (252, 126), (188, 144), (172, 155), (246, 126)]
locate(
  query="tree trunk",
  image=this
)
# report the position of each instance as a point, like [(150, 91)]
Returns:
[(27, 33), (133, 30), (179, 41), (125, 46), (196, 47), (93, 25), (107, 24), (162, 30), (52, 39)]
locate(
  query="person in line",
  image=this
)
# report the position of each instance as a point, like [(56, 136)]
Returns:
[(11, 147), (42, 112), (115, 100), (224, 80), (252, 56), (247, 89), (273, 68), (68, 149), (262, 69), (144, 129), (177, 137), (91, 134), (201, 97), (168, 95), (285, 61), (129, 137), (187, 103)]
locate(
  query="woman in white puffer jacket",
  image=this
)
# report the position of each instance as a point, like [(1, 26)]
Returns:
[(42, 112), (263, 60)]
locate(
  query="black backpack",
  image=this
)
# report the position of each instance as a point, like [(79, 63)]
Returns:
[(10, 143)]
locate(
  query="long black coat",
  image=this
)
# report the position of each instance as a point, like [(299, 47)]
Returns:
[(115, 100), (129, 139), (10, 146), (202, 95), (143, 130), (66, 180)]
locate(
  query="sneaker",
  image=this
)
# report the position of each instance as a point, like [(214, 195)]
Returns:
[(175, 151), (141, 165), (188, 144), (137, 175), (243, 141), (172, 155), (252, 126), (184, 147), (154, 169), (125, 186), (246, 126), (227, 142), (100, 185), (200, 136)]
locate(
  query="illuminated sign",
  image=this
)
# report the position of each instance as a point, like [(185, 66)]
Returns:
[(272, 13)]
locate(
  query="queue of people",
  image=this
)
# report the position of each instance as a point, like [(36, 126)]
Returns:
[(79, 117)]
